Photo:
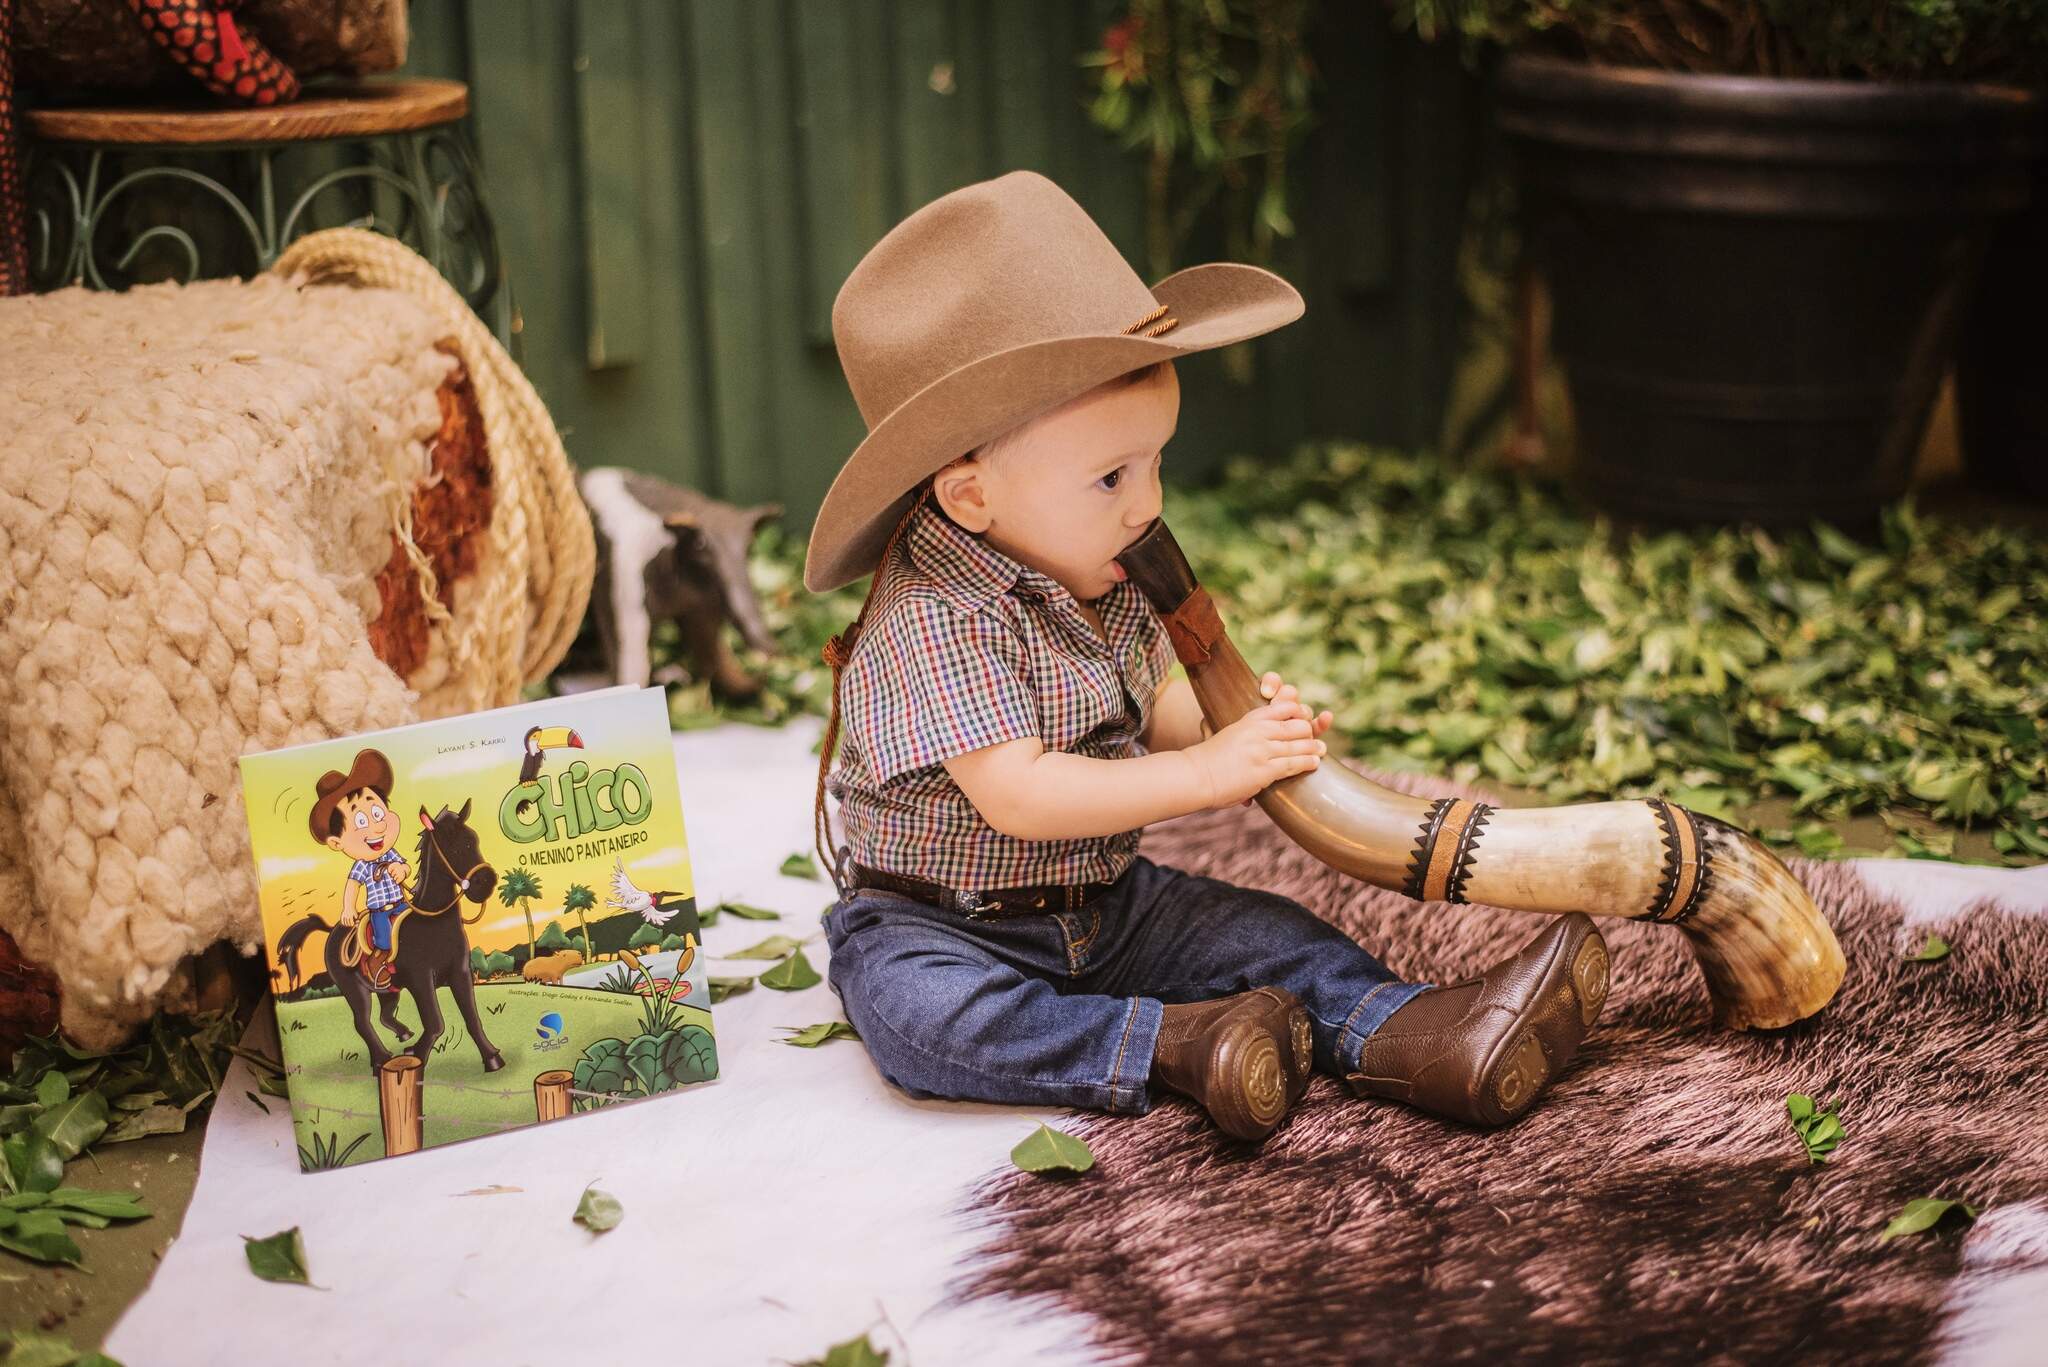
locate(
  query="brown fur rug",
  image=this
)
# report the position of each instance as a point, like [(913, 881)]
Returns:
[(1654, 1206)]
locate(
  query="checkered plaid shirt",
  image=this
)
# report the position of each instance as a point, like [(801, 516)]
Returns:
[(963, 648), (380, 888)]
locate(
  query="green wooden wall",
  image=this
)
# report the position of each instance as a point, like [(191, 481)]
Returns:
[(680, 186)]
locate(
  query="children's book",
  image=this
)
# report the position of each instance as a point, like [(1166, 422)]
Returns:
[(478, 923)]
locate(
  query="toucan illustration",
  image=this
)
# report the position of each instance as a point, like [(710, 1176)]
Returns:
[(539, 740)]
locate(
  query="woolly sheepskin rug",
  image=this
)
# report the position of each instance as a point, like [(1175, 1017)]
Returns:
[(198, 489), (1655, 1205)]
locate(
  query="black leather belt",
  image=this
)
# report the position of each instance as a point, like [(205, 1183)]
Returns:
[(987, 904)]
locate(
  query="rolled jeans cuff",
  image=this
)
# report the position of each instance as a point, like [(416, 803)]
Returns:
[(1370, 1014), (1130, 1073)]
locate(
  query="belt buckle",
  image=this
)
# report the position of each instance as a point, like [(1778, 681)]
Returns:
[(975, 907)]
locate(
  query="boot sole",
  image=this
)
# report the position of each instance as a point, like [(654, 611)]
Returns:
[(1549, 1032), (1249, 1093)]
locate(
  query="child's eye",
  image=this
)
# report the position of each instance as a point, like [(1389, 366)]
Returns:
[(362, 820), (376, 813), (1111, 480)]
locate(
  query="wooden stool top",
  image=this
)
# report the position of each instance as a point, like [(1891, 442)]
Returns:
[(357, 109)]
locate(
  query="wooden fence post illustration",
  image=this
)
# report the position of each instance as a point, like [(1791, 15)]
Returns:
[(398, 1101), (551, 1100)]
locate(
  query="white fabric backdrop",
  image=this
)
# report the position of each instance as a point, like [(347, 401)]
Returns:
[(787, 1206)]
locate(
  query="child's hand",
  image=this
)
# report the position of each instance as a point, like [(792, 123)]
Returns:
[(1271, 687), (348, 920), (1263, 746)]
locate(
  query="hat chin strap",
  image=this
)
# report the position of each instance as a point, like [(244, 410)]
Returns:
[(836, 653)]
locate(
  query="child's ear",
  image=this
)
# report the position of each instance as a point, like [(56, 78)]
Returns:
[(962, 492), (333, 842)]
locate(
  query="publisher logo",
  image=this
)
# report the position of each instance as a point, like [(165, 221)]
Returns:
[(549, 1030)]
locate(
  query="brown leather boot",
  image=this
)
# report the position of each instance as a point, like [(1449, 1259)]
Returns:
[(1245, 1058), (1481, 1049)]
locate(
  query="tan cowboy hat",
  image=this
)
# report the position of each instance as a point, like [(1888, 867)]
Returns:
[(980, 311), (370, 770)]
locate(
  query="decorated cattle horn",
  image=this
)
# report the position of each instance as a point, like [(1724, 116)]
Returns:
[(1768, 956)]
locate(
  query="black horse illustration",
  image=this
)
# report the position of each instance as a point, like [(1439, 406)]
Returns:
[(433, 951)]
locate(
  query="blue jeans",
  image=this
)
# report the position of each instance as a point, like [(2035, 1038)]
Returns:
[(1064, 1008), (380, 925)]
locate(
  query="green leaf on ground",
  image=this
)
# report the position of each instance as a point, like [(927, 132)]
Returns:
[(39, 1235), (1921, 1214), (721, 988), (113, 1205), (793, 974), (1047, 1150), (1935, 948), (811, 1036), (747, 913), (1818, 1128), (73, 1124), (800, 865), (40, 1350), (279, 1258), (852, 1353), (598, 1211), (33, 1162), (774, 947)]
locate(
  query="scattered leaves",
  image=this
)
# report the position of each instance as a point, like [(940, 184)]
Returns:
[(279, 1258), (1477, 625), (721, 988), (748, 913), (598, 1211), (1048, 1150), (793, 974), (811, 1036), (774, 947), (1818, 1129), (800, 865), (1921, 1214)]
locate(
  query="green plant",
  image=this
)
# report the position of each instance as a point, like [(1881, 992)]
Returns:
[(1215, 95), (1888, 40), (666, 1053), (620, 979), (327, 1151)]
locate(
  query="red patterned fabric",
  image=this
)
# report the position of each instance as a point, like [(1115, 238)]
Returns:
[(13, 218), (964, 648), (202, 37)]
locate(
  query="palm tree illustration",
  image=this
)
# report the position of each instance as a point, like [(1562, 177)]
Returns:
[(579, 900), (520, 888)]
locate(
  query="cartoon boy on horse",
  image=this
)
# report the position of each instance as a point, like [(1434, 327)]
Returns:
[(352, 813)]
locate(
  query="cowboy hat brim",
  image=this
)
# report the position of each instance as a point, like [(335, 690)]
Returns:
[(1216, 304)]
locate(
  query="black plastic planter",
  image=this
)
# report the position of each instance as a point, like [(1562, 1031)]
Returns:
[(1756, 283)]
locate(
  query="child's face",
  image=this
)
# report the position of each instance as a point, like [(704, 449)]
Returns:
[(1073, 487), (367, 830)]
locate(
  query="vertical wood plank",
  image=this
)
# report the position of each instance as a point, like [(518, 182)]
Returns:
[(611, 158), (932, 127), (842, 148)]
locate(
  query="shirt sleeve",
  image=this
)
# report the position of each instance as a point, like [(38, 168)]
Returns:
[(359, 872), (930, 681)]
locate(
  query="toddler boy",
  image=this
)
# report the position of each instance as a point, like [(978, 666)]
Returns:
[(1008, 728)]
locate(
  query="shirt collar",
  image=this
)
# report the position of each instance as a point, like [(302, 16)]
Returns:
[(966, 568)]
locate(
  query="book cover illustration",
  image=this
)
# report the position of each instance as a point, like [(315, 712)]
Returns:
[(478, 923)]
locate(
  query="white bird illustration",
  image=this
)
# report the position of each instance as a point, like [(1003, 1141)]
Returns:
[(626, 897)]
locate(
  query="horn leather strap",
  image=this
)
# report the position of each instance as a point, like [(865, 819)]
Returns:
[(1688, 866), (1195, 627), (1445, 850)]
